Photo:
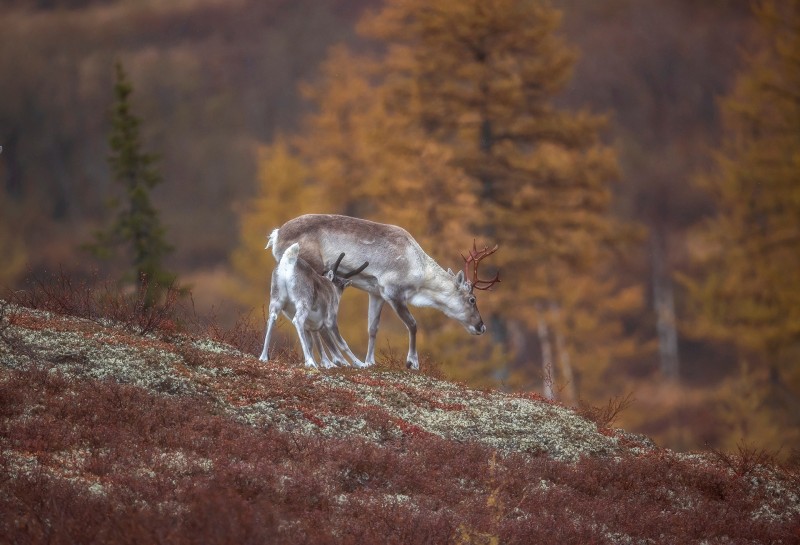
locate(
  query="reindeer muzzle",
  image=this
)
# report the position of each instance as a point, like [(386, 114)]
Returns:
[(478, 329)]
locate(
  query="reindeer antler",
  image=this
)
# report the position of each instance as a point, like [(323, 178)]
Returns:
[(336, 265), (351, 273), (475, 258), (355, 272)]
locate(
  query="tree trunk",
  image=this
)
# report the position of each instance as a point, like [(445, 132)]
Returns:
[(547, 354), (664, 305), (13, 171), (564, 360), (500, 331)]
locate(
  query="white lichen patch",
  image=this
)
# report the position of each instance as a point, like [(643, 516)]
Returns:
[(505, 422), (96, 489), (65, 467), (266, 414), (19, 463), (782, 500), (498, 420), (207, 345), (103, 357), (617, 538), (180, 463)]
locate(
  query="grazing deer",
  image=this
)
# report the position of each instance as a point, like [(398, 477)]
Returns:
[(311, 301), (400, 272)]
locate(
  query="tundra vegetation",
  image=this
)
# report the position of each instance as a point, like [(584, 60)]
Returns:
[(111, 432), (634, 159)]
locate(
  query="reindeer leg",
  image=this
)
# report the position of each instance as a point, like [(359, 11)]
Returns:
[(309, 340), (299, 322), (373, 320), (274, 309), (342, 344), (336, 358), (334, 347), (412, 360), (321, 345)]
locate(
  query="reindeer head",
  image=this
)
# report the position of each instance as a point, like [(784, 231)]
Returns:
[(465, 307), (341, 281)]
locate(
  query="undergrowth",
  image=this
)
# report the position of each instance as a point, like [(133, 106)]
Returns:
[(605, 416), (746, 460), (97, 461), (102, 301), (86, 460), (99, 300)]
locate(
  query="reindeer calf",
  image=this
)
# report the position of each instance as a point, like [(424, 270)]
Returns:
[(311, 301)]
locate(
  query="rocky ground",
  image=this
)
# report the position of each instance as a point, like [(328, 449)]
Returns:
[(112, 432)]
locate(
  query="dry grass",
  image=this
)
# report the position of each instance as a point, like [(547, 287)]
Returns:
[(606, 415)]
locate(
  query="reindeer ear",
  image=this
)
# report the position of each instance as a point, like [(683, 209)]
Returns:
[(450, 271), (329, 275), (460, 278)]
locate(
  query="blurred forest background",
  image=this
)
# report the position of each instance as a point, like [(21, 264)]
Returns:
[(637, 161)]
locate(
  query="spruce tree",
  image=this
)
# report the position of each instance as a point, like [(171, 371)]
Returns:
[(137, 226)]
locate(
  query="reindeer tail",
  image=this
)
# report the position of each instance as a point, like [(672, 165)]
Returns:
[(291, 254), (273, 241)]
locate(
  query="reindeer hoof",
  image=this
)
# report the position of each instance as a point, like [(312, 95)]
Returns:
[(413, 366)]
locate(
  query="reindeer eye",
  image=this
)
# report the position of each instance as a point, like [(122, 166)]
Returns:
[(471, 300)]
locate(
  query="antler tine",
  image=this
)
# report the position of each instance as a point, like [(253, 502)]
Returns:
[(336, 265), (475, 257), (355, 272), (487, 284)]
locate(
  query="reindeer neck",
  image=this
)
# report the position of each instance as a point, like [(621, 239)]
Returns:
[(437, 289)]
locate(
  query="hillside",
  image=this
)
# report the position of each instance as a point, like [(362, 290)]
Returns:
[(138, 431)]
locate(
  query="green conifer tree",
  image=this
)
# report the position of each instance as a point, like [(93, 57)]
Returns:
[(137, 225)]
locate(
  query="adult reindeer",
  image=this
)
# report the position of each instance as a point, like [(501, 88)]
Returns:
[(400, 272)]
